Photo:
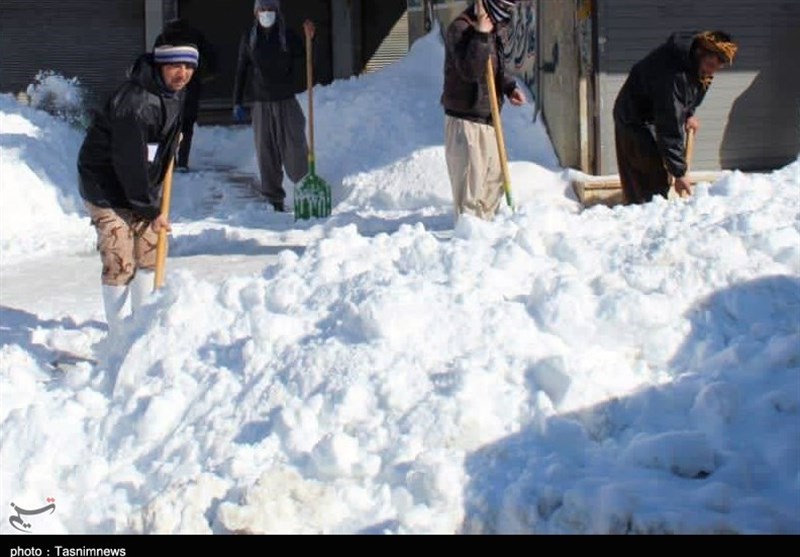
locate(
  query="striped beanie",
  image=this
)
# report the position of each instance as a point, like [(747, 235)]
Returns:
[(176, 54), (500, 11)]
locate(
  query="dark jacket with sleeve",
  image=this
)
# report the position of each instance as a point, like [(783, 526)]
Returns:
[(466, 93), (662, 91), (124, 157), (274, 68)]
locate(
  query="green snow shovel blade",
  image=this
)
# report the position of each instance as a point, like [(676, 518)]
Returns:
[(312, 198)]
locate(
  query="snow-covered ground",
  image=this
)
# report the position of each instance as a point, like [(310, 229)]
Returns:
[(634, 369)]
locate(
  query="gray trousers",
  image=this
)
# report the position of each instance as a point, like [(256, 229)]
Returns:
[(474, 167), (280, 134)]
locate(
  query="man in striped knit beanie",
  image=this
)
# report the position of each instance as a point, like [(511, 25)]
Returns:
[(473, 162), (122, 165), (180, 30)]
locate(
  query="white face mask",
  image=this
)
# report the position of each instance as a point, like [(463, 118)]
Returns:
[(266, 19)]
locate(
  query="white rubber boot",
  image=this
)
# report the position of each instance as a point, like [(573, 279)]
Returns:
[(114, 300), (141, 288)]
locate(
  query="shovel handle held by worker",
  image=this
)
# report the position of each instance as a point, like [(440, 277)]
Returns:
[(497, 123), (689, 152), (161, 248)]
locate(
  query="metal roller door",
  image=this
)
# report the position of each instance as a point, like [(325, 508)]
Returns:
[(93, 40), (384, 33)]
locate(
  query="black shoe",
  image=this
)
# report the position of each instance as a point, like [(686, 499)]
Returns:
[(183, 169), (278, 206)]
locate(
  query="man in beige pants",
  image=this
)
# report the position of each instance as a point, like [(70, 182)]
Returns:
[(473, 162)]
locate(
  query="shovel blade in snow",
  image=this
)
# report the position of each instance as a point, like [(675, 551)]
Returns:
[(312, 198)]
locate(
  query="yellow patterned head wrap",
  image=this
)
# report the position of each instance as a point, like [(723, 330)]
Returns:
[(719, 43)]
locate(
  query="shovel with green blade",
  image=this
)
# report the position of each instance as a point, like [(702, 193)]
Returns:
[(312, 198)]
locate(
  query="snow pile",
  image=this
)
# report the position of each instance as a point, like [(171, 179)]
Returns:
[(634, 369), (62, 97), (610, 371), (40, 208)]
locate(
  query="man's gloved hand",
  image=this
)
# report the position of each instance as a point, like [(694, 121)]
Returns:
[(239, 114)]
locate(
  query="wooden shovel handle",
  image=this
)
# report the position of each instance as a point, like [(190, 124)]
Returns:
[(690, 136), (689, 149), (161, 248), (497, 122), (310, 81)]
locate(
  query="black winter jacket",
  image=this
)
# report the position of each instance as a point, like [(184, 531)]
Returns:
[(662, 91), (466, 93), (124, 157), (275, 71)]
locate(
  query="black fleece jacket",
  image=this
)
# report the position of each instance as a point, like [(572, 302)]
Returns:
[(274, 68), (466, 92), (124, 157), (662, 91)]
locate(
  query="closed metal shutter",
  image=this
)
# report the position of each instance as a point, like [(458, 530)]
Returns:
[(393, 47), (751, 115), (93, 40)]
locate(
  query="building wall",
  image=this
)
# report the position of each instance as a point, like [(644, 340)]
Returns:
[(347, 35), (224, 29), (560, 83), (751, 115), (384, 33), (352, 35), (95, 42), (154, 18), (520, 38), (521, 43)]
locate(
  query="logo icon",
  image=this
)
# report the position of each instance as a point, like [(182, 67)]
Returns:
[(17, 521)]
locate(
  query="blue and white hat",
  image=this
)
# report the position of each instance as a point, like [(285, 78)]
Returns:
[(174, 54)]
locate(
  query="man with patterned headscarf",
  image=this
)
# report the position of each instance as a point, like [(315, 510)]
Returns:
[(656, 106), (473, 162), (272, 55)]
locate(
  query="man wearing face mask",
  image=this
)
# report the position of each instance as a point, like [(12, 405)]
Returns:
[(473, 162), (273, 56)]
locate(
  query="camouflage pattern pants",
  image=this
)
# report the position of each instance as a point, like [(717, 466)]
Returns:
[(125, 243)]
